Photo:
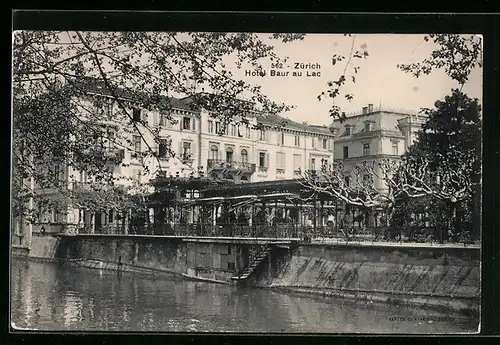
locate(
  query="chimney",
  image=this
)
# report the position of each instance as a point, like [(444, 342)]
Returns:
[(365, 110), (370, 108)]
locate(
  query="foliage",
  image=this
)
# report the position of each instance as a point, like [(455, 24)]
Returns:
[(53, 73), (445, 160), (456, 54), (349, 74)]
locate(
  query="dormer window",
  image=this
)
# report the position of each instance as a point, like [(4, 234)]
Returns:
[(348, 129)]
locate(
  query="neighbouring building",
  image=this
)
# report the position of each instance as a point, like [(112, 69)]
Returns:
[(374, 134)]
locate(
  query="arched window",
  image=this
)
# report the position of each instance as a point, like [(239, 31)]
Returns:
[(229, 154), (244, 179), (214, 152), (244, 156), (228, 177)]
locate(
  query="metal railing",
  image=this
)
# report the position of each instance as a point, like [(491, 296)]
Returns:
[(307, 233)]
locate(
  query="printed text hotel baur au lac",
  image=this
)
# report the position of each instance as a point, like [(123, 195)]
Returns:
[(295, 69)]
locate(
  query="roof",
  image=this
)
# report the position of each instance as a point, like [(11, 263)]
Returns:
[(98, 86), (276, 120)]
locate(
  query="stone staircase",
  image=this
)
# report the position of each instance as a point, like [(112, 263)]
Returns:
[(254, 264)]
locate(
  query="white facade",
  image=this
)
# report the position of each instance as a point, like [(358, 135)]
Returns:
[(242, 153), (374, 134)]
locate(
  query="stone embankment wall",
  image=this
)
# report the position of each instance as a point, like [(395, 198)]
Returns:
[(446, 277), (215, 261), (432, 276)]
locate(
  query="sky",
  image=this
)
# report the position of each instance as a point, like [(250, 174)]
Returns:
[(378, 80)]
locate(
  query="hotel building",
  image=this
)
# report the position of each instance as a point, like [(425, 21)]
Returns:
[(191, 142)]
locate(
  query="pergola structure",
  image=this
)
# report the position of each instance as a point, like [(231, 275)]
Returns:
[(204, 206)]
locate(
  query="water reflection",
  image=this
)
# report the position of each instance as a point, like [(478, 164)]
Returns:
[(54, 297)]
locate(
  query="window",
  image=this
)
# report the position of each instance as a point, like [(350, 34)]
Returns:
[(262, 160), (83, 177), (210, 126), (111, 216), (262, 135), (54, 172), (297, 140), (244, 178), (324, 163), (347, 129), (229, 154), (226, 129), (281, 138), (186, 150), (163, 148), (103, 107), (313, 143), (244, 156), (186, 123), (325, 143), (136, 139), (366, 149), (368, 126), (347, 180), (366, 179), (395, 148), (280, 162), (248, 132), (238, 129), (233, 130), (312, 164), (346, 152), (214, 152), (297, 163), (164, 121), (136, 114), (217, 127), (56, 216)]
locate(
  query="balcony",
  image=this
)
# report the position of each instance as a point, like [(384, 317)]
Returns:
[(220, 165), (114, 155), (92, 186)]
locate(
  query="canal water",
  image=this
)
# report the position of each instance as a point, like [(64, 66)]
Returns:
[(51, 296)]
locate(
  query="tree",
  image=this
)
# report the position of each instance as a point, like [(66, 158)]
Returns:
[(368, 186), (445, 160), (456, 54), (53, 73)]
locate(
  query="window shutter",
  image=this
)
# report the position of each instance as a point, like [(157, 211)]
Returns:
[(193, 151), (180, 150), (267, 160), (193, 124)]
